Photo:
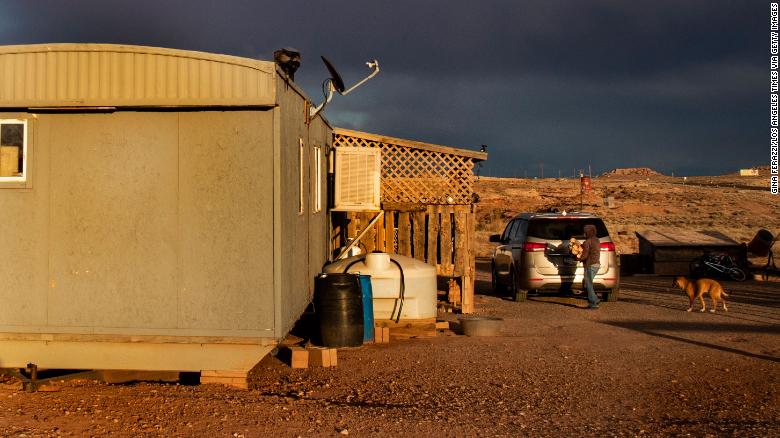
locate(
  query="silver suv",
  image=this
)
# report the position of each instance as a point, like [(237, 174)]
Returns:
[(534, 254)]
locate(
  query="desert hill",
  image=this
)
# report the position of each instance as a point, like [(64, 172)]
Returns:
[(736, 206), (631, 171)]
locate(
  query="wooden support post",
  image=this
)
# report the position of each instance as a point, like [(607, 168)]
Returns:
[(369, 240), (390, 246), (470, 260), (381, 231), (419, 235), (404, 243), (460, 241), (446, 241), (433, 234)]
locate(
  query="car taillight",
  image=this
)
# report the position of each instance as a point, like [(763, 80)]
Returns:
[(534, 246), (607, 246)]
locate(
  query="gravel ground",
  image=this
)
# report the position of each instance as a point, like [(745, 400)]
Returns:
[(639, 367)]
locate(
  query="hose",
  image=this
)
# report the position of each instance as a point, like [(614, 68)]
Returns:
[(401, 293)]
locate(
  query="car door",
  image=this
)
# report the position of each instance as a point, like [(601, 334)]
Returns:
[(503, 255), (516, 240)]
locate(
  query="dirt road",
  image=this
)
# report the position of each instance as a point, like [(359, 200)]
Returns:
[(639, 367)]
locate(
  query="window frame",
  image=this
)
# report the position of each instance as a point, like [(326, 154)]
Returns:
[(24, 181), (317, 163), (301, 203)]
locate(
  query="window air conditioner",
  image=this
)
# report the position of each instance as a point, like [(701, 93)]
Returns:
[(357, 179)]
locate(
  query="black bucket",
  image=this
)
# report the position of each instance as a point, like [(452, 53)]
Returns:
[(339, 308)]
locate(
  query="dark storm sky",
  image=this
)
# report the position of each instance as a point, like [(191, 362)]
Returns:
[(680, 86)]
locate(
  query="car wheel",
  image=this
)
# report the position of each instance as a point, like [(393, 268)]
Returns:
[(737, 274), (611, 295), (519, 294), (498, 288)]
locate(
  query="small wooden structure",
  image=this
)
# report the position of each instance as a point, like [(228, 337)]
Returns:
[(428, 204), (670, 253)]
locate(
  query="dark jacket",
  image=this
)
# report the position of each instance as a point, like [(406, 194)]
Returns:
[(591, 250)]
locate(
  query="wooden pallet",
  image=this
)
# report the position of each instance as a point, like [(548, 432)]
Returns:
[(409, 328)]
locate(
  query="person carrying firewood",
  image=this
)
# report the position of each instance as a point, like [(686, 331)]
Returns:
[(591, 252)]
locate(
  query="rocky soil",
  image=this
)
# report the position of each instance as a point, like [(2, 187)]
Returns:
[(639, 367)]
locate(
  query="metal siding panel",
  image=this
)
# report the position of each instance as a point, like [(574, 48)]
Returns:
[(105, 73), (71, 73), (114, 76), (24, 241), (226, 220), (93, 81), (215, 80), (29, 89), (87, 75), (40, 76), (114, 217), (82, 90)]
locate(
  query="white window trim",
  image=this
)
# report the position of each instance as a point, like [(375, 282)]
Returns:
[(317, 179), (25, 155), (301, 204)]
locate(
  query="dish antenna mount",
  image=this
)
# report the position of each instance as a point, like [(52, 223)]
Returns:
[(335, 84)]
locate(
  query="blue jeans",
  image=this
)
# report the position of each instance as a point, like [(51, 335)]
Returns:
[(587, 281)]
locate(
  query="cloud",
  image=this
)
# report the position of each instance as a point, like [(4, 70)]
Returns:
[(611, 82)]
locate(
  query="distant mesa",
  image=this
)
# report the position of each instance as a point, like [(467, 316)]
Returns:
[(632, 171)]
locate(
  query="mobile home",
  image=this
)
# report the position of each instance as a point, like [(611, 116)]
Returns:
[(159, 209)]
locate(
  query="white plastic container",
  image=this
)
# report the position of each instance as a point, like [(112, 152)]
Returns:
[(419, 300)]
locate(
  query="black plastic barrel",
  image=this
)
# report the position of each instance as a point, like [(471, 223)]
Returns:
[(339, 307)]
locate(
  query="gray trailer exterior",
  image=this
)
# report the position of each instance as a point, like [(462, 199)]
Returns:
[(165, 219)]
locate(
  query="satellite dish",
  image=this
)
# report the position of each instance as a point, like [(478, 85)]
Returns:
[(335, 77), (335, 83)]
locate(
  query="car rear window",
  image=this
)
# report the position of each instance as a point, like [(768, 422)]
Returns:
[(564, 228)]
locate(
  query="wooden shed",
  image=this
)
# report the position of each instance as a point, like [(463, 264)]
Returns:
[(427, 198), (671, 252), (159, 211)]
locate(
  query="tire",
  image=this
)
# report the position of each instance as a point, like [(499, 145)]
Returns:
[(737, 274), (611, 295), (519, 294)]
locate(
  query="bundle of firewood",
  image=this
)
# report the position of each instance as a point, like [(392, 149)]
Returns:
[(575, 247)]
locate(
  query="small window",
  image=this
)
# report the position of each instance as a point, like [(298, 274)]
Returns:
[(13, 151), (300, 176), (564, 229), (518, 234), (508, 231), (317, 164)]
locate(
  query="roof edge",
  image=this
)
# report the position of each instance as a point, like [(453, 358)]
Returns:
[(264, 66), (475, 155)]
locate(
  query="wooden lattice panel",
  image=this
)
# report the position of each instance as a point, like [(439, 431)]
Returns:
[(417, 176)]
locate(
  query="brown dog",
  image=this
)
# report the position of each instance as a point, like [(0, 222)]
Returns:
[(697, 289)]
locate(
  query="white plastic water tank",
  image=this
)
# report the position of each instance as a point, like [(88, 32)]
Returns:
[(419, 300)]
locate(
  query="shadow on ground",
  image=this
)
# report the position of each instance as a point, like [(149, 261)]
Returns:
[(655, 328)]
